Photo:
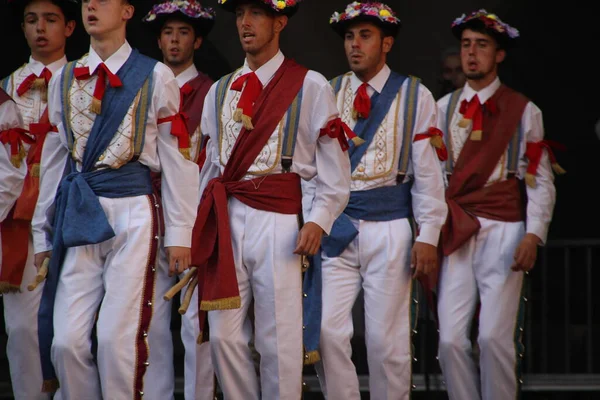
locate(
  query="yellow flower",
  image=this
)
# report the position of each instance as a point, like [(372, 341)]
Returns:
[(281, 4), (385, 13), (492, 16)]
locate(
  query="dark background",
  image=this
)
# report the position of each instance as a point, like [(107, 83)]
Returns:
[(546, 67)]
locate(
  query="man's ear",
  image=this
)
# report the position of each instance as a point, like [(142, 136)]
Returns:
[(198, 42), (280, 23), (388, 42)]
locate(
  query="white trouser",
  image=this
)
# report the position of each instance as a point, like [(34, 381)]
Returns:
[(199, 377), (160, 375), (22, 349), (378, 260), (113, 281), (480, 270), (268, 272)]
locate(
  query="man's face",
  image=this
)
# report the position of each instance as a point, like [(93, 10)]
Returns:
[(479, 55), (366, 48), (45, 28), (256, 27), (452, 71), (178, 42), (102, 17)]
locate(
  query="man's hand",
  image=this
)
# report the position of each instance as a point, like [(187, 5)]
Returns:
[(179, 259), (39, 258), (309, 239), (423, 259), (526, 253)]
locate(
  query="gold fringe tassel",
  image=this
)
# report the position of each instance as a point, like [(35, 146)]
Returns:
[(237, 115), (230, 303), (558, 169), (247, 122), (50, 386), (436, 141), (476, 135), (186, 153), (35, 170), (530, 180), (311, 357), (6, 287), (357, 141), (464, 123), (96, 106)]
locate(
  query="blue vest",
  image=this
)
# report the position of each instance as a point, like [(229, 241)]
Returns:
[(79, 218)]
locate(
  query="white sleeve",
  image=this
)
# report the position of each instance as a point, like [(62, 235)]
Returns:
[(429, 205), (11, 177), (179, 177)]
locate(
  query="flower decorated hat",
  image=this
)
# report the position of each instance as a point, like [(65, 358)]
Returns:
[(190, 11), (479, 20), (70, 8), (284, 7), (369, 11)]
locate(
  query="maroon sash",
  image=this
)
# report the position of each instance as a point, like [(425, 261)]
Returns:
[(211, 240), (193, 103), (467, 196)]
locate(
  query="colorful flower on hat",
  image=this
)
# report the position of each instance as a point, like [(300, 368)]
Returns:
[(372, 9), (277, 5), (491, 21), (191, 8)]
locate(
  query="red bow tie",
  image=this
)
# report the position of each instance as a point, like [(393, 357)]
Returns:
[(250, 92), (473, 111), (35, 82), (102, 71), (15, 138), (362, 103)]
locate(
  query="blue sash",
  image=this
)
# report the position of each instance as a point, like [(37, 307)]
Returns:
[(384, 203), (79, 218)]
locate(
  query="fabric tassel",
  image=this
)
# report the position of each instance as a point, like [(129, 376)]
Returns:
[(357, 140), (50, 386), (530, 180), (186, 153), (247, 122), (230, 303), (6, 287), (312, 357), (96, 106), (476, 135), (558, 169), (237, 115), (464, 123), (354, 114), (437, 142)]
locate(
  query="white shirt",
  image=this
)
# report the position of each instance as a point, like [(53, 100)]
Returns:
[(187, 75), (11, 178), (314, 156), (378, 167), (541, 199), (160, 154)]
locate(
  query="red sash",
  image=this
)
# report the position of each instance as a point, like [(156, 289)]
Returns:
[(4, 97), (192, 104), (211, 240), (15, 228), (467, 196)]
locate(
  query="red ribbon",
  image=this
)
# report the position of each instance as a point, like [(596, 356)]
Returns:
[(431, 134), (337, 129), (102, 71), (473, 110), (178, 128), (24, 87), (250, 92), (535, 150), (15, 137)]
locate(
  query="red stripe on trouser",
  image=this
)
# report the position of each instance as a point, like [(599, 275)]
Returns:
[(146, 307)]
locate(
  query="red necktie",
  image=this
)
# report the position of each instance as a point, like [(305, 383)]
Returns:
[(102, 71), (250, 92), (36, 82), (362, 103), (473, 111)]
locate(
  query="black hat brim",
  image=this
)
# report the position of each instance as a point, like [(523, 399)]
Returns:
[(202, 26), (388, 29), (230, 6)]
